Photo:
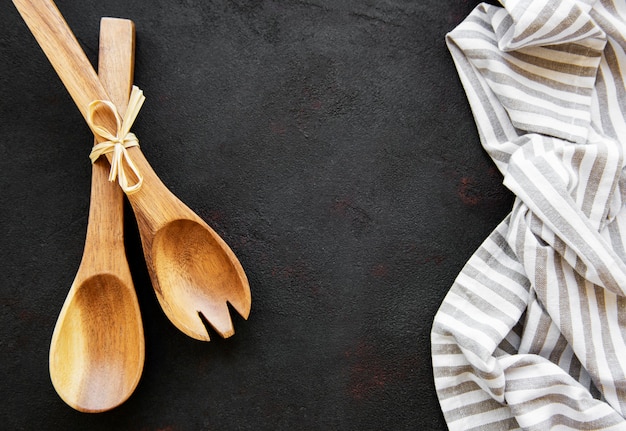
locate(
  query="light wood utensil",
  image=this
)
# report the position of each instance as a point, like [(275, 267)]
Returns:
[(97, 348), (193, 271)]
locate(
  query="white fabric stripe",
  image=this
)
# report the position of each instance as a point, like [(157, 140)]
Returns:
[(561, 77), (604, 189), (613, 308), (613, 337), (464, 399), (456, 360), (552, 338), (498, 301), (495, 251), (481, 316), (486, 344), (600, 359), (539, 122), (558, 56), (445, 382), (480, 419), (495, 70), (552, 108), (589, 156), (614, 107)]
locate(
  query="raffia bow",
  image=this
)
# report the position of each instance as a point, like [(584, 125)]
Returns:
[(119, 141)]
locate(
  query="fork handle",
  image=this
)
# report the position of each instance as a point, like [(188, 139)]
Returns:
[(64, 53)]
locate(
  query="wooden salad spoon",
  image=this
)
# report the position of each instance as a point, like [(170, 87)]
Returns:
[(193, 271), (97, 348)]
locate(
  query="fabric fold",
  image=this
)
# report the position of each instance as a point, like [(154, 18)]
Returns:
[(541, 22), (532, 334), (545, 89)]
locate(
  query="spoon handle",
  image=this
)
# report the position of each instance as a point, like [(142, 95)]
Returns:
[(105, 230)]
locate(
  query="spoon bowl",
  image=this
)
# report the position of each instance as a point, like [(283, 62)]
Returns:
[(90, 369)]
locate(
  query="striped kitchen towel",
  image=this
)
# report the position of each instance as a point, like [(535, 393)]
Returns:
[(532, 334)]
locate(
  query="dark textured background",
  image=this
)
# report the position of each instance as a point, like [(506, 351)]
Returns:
[(330, 144)]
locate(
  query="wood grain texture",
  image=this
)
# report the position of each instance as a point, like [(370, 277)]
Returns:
[(193, 271), (97, 349)]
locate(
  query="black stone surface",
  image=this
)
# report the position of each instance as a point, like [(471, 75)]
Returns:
[(331, 145)]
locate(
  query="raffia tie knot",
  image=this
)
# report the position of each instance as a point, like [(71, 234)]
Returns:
[(119, 141)]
